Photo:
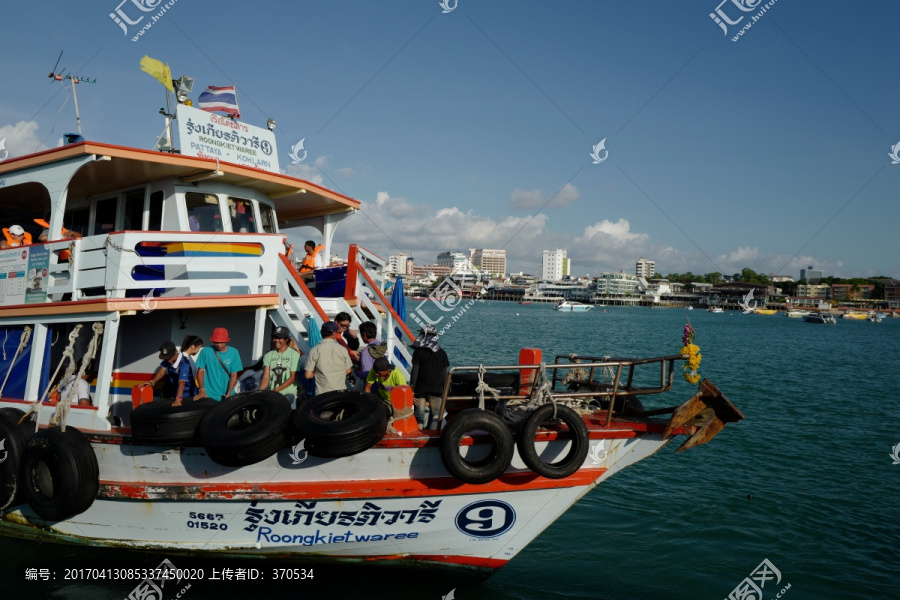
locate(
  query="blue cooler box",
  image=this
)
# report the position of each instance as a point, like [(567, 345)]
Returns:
[(331, 282)]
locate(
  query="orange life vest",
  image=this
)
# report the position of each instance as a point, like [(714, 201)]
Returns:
[(13, 243), (309, 261)]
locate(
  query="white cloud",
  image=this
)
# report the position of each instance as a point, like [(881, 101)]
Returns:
[(425, 232), (304, 171), (525, 200), (21, 138)]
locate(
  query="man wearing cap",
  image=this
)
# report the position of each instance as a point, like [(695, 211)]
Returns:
[(328, 362), (15, 236), (382, 379), (178, 379), (280, 365), (218, 366)]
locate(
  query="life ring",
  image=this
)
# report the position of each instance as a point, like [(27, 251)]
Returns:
[(13, 440), (61, 473), (578, 449), (246, 428), (336, 424), (487, 468), (158, 423)]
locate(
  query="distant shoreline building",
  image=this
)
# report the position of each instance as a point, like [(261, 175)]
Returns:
[(645, 268), (399, 264), (555, 265), (489, 261), (811, 275)]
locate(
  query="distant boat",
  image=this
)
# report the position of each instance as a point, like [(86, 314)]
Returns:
[(820, 318), (716, 309), (766, 311), (688, 308), (567, 306), (855, 315), (796, 314), (876, 317), (524, 301)]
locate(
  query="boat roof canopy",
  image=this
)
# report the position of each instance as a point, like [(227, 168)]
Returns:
[(132, 167)]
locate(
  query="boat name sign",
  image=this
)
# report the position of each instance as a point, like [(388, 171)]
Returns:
[(480, 520), (205, 135)]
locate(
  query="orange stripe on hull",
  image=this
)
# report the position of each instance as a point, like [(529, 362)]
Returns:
[(344, 490)]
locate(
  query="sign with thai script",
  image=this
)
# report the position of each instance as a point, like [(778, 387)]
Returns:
[(23, 275), (207, 135)]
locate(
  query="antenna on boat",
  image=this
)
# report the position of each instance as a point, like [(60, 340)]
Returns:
[(75, 79)]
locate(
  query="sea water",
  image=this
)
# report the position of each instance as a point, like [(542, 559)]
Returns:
[(805, 482)]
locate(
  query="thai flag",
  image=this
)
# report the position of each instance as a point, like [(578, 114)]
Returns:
[(219, 99)]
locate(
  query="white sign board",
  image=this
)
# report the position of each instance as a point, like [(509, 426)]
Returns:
[(207, 135), (23, 275)]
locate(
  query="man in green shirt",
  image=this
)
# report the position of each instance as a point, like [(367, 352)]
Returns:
[(382, 379), (280, 366)]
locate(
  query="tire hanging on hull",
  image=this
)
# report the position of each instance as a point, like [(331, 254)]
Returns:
[(487, 468), (578, 449), (13, 441), (61, 473)]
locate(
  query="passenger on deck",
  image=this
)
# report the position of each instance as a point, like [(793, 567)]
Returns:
[(328, 362), (280, 366), (15, 236), (313, 259), (383, 378), (343, 321), (168, 372), (218, 367), (190, 347), (429, 372), (374, 348), (45, 234), (82, 395)]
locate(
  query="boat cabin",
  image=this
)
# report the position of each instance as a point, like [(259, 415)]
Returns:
[(148, 246)]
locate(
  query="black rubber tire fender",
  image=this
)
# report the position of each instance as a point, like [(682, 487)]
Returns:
[(61, 473), (247, 428), (158, 423), (13, 441), (578, 449), (362, 424), (491, 466)]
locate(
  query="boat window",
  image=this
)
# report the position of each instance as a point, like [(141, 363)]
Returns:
[(156, 206), (241, 212), (133, 211), (77, 220), (203, 212), (268, 218), (105, 216)]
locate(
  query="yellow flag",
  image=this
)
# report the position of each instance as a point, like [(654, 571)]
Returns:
[(158, 70)]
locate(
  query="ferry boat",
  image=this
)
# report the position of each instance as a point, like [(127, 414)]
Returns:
[(826, 318), (179, 243), (567, 306)]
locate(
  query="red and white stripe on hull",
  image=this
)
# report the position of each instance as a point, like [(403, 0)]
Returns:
[(388, 503)]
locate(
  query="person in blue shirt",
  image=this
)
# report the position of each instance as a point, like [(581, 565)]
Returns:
[(218, 367), (177, 375)]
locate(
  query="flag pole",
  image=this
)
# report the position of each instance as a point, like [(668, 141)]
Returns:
[(169, 118)]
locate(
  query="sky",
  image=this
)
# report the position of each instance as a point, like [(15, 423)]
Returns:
[(474, 127)]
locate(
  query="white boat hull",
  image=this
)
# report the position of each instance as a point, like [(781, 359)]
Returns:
[(408, 508)]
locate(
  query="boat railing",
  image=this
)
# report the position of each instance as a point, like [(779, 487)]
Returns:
[(592, 380), (365, 294), (134, 263), (297, 305)]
